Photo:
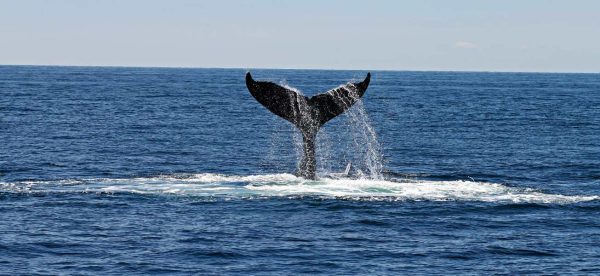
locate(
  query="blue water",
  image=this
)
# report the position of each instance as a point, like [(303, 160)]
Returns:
[(180, 171)]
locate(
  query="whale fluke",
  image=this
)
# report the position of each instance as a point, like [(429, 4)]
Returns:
[(307, 114)]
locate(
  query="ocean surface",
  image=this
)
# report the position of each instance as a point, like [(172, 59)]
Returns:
[(180, 171)]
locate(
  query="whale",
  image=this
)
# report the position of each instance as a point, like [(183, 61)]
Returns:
[(307, 114)]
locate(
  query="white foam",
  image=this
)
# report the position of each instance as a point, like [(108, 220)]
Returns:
[(419, 190), (287, 185)]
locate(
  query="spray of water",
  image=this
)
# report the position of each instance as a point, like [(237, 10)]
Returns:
[(365, 142), (349, 139)]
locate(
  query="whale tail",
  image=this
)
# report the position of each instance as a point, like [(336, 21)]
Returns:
[(308, 114)]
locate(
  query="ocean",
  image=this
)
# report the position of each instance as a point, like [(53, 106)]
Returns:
[(116, 170)]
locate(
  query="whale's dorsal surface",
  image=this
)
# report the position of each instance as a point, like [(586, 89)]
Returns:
[(307, 114)]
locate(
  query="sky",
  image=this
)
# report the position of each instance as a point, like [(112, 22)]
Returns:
[(457, 35)]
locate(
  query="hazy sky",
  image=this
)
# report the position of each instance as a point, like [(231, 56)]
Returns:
[(477, 35)]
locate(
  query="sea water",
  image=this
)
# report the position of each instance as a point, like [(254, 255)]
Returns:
[(178, 171)]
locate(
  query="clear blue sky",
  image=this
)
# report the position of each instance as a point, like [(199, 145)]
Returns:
[(477, 35)]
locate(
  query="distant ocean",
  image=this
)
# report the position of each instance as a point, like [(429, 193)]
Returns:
[(179, 171)]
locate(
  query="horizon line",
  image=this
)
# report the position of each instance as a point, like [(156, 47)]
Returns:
[(305, 68)]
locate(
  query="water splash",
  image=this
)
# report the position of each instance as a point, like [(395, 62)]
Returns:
[(352, 139), (365, 141)]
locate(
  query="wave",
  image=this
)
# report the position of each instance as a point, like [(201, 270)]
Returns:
[(287, 185)]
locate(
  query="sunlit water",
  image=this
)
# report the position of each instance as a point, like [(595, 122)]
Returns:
[(179, 171)]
